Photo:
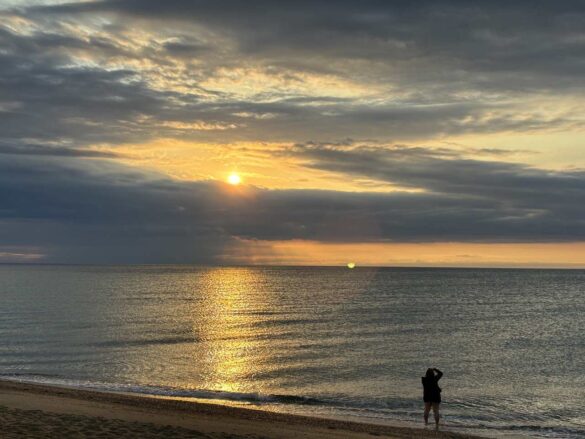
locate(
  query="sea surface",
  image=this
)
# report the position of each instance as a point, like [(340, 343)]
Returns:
[(322, 341)]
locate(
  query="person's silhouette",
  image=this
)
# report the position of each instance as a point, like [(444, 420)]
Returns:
[(432, 394)]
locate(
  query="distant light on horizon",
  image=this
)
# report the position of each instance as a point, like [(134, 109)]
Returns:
[(351, 265)]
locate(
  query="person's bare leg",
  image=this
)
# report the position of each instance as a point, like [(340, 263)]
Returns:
[(427, 411), (436, 413)]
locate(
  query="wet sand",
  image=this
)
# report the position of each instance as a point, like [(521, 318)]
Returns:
[(40, 411)]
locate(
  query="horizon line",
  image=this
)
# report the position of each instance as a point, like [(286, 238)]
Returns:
[(576, 267)]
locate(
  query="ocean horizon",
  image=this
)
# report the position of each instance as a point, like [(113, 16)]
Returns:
[(577, 267)]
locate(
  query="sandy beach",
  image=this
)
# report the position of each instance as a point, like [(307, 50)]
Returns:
[(39, 411)]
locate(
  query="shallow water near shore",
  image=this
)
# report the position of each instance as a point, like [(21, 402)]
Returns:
[(322, 341)]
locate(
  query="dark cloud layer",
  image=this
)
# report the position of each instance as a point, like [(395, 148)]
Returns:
[(421, 69), (536, 39), (55, 151), (94, 211)]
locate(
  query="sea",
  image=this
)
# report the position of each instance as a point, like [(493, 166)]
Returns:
[(322, 341)]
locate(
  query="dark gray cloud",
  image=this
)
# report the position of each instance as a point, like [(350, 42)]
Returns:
[(95, 211), (423, 69), (48, 95), (445, 171), (52, 102), (506, 45), (53, 99), (54, 151), (187, 48)]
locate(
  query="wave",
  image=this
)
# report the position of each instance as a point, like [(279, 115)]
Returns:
[(146, 342), (251, 397), (376, 411), (541, 430)]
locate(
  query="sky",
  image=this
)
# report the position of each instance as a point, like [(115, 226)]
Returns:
[(393, 133)]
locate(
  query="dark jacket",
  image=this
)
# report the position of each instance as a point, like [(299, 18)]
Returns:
[(432, 391)]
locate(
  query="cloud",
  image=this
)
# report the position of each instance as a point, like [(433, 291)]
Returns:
[(447, 172), (79, 80), (93, 210), (55, 151), (181, 48), (127, 71), (524, 42)]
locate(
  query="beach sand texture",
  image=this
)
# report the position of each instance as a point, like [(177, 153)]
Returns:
[(38, 411)]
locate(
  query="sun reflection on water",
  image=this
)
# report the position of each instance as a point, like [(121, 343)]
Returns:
[(224, 325)]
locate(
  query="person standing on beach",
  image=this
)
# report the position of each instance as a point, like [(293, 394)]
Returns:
[(432, 394)]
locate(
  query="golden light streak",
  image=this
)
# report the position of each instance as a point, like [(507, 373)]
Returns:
[(449, 254), (226, 329)]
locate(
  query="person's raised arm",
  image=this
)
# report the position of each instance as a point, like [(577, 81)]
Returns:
[(439, 373)]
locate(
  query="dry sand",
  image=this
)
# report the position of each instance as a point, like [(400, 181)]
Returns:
[(39, 411)]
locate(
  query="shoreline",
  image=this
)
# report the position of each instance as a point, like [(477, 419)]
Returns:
[(32, 409)]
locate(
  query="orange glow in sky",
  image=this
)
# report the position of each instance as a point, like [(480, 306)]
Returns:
[(448, 254)]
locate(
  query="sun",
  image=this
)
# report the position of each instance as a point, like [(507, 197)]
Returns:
[(234, 179)]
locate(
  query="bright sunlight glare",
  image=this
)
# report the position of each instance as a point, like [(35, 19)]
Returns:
[(234, 179)]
